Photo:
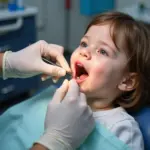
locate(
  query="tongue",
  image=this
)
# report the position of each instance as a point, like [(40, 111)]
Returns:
[(83, 76)]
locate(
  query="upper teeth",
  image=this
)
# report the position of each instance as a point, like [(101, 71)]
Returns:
[(79, 65)]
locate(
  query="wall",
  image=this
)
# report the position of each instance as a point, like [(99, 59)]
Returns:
[(78, 24), (53, 28), (41, 18), (124, 3), (51, 20), (127, 3)]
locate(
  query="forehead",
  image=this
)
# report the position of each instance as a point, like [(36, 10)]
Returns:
[(95, 29), (100, 32)]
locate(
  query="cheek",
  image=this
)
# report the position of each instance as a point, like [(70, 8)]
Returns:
[(73, 58), (102, 74), (100, 69), (107, 74), (98, 75)]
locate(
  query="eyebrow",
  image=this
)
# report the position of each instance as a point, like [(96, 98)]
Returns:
[(104, 43)]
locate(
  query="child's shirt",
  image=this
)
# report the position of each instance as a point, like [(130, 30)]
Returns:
[(124, 126)]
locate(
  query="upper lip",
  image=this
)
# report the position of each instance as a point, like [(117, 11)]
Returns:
[(76, 65)]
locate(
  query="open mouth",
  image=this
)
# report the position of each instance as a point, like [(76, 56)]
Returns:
[(81, 73)]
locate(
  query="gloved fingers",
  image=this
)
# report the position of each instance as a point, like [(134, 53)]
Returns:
[(50, 50), (46, 77), (73, 92), (51, 70), (58, 56), (60, 92), (58, 47), (55, 53), (88, 115), (55, 79), (90, 126), (91, 119), (83, 104), (63, 62), (83, 99)]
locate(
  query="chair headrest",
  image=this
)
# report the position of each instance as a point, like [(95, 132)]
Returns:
[(143, 118)]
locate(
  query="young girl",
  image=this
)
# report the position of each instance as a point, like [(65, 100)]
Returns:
[(111, 66)]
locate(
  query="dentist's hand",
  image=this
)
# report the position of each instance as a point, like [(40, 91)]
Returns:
[(69, 119), (28, 62)]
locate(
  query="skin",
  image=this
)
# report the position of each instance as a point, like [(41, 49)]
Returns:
[(1, 62), (106, 67), (38, 147)]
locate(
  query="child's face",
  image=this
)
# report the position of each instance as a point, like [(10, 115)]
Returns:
[(104, 66)]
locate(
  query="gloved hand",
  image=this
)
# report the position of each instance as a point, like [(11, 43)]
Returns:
[(69, 122), (28, 62)]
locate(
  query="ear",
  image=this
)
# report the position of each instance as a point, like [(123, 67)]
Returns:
[(128, 82)]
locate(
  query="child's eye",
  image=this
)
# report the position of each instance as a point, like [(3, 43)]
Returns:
[(103, 52), (83, 44)]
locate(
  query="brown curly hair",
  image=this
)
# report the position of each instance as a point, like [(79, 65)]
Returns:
[(134, 38)]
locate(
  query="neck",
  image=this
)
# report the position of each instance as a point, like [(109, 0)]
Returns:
[(99, 104)]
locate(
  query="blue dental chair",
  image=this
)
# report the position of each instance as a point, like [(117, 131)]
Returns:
[(143, 118)]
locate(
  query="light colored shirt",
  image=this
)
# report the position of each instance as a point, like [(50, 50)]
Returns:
[(121, 124)]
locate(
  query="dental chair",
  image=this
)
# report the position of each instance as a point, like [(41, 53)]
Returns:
[(143, 118)]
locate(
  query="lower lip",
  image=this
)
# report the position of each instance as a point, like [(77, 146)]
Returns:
[(80, 80)]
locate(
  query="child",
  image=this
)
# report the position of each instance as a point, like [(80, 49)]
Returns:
[(111, 67)]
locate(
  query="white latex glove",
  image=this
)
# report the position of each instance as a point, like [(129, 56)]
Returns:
[(69, 122), (28, 62)]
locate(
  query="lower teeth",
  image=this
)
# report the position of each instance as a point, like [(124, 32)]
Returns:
[(78, 77)]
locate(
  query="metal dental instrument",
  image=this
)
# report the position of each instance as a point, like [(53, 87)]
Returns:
[(54, 64)]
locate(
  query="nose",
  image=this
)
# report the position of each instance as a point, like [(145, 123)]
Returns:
[(85, 53)]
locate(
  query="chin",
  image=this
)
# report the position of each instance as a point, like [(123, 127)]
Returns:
[(85, 90)]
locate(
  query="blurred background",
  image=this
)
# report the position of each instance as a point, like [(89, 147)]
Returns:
[(63, 22)]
